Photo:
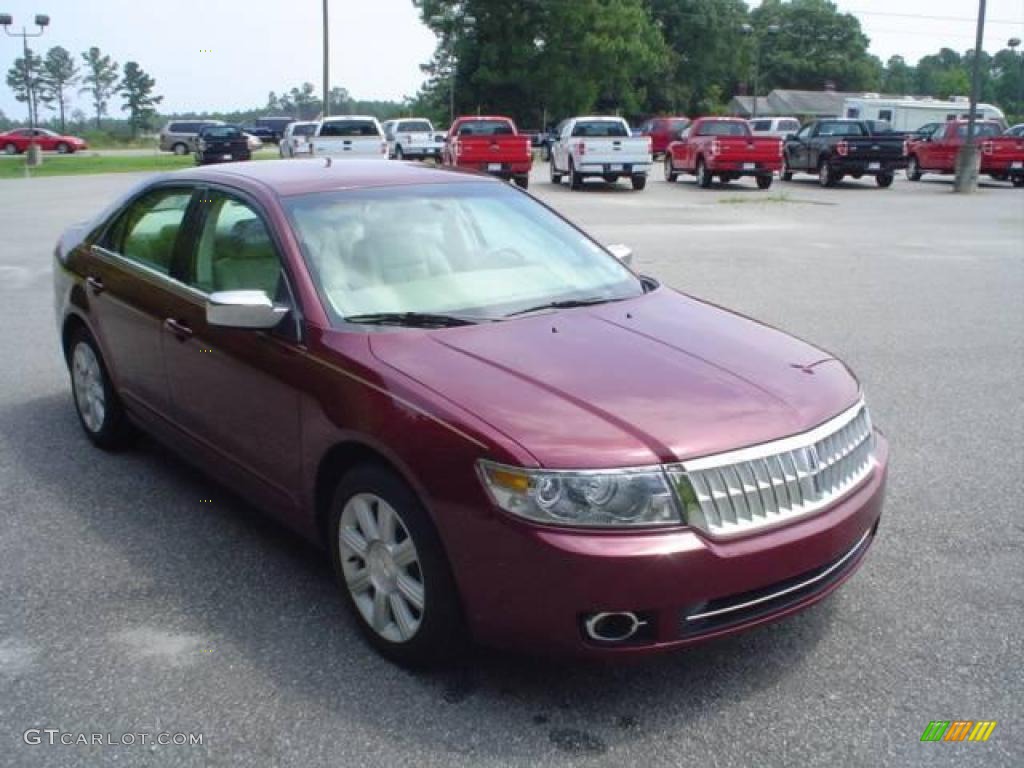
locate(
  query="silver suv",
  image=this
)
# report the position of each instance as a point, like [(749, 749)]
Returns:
[(179, 136)]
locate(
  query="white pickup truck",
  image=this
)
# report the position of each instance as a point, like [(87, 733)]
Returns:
[(349, 136), (413, 139), (600, 146)]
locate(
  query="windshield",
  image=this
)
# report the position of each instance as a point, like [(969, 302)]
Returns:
[(481, 250)]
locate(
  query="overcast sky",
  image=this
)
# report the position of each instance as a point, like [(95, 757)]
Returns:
[(377, 45)]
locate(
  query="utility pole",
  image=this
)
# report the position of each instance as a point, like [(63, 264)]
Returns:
[(758, 39), (327, 75), (967, 160), (34, 156)]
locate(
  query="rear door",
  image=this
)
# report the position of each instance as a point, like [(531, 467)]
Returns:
[(231, 388), (131, 289)]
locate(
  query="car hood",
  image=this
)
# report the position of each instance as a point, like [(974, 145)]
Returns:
[(655, 379)]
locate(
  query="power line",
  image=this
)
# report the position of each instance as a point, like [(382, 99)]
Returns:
[(929, 16)]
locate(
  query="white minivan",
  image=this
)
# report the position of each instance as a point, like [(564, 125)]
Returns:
[(779, 127), (348, 136)]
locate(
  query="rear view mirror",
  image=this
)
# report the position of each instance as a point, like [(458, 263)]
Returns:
[(243, 309), (621, 252)]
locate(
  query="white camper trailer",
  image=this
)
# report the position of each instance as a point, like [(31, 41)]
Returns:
[(907, 115)]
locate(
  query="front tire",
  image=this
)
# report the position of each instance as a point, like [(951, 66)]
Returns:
[(1018, 181), (392, 568), (180, 149), (913, 169), (98, 407), (10, 149), (787, 172), (670, 173)]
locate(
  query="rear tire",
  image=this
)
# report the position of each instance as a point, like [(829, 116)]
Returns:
[(180, 149), (523, 180), (913, 169), (10, 149), (764, 182), (392, 569), (575, 179), (670, 173), (639, 182), (98, 407), (826, 176), (1018, 181), (884, 180), (63, 149), (703, 177)]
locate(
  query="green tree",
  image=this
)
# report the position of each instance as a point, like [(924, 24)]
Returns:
[(24, 79), (59, 74), (136, 87), (814, 44), (100, 80), (899, 77), (1008, 81), (705, 62), (528, 59), (304, 102)]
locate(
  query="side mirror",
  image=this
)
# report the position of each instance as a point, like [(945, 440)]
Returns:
[(790, 136), (621, 252), (243, 309)]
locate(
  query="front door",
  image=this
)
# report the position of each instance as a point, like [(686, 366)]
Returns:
[(231, 388), (130, 291)]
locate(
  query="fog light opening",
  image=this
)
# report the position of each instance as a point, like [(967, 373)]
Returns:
[(613, 627)]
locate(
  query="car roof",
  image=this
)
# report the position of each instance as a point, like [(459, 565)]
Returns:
[(303, 176), (348, 117), (595, 118)]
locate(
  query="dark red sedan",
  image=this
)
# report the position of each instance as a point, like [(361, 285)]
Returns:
[(17, 141), (497, 429)]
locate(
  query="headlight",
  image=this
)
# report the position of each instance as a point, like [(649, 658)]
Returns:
[(613, 498)]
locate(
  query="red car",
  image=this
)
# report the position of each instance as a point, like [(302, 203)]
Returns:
[(17, 141), (662, 131), (490, 144), (495, 427), (1002, 157), (723, 147)]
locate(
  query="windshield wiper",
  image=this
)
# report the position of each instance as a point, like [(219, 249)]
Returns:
[(415, 319), (564, 304)]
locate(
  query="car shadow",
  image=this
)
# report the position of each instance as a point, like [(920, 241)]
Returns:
[(243, 581)]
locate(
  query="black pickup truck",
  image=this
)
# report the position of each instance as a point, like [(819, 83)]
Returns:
[(834, 149)]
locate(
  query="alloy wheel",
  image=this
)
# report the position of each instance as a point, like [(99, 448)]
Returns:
[(381, 567), (88, 384)]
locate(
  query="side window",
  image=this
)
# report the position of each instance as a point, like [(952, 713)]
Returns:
[(885, 114), (147, 231), (804, 132), (234, 251), (761, 125)]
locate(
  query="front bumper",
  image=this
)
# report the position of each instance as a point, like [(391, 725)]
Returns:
[(532, 587)]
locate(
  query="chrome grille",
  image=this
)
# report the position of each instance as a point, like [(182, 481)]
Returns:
[(748, 489)]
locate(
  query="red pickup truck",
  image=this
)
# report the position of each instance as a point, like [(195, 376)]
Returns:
[(489, 144), (723, 147), (1002, 157)]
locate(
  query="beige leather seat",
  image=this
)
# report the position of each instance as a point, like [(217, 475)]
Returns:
[(247, 261)]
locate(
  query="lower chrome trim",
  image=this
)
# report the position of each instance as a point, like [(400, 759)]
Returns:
[(794, 588)]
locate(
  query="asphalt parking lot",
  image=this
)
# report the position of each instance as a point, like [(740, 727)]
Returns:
[(128, 605)]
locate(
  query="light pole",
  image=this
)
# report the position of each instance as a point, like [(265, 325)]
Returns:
[(1013, 43), (455, 23), (327, 76), (967, 159), (758, 38), (34, 156)]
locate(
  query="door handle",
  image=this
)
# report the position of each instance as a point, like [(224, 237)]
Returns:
[(180, 330), (95, 285)]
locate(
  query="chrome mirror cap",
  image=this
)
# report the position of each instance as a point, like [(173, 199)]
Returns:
[(621, 252), (243, 309)]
